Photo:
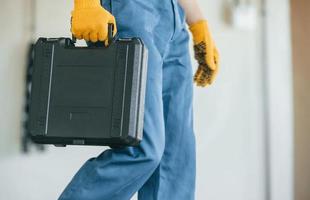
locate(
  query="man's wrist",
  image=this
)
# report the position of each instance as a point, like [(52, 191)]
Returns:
[(194, 20), (82, 4), (199, 30), (198, 22)]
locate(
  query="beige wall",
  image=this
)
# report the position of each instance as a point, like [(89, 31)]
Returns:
[(13, 45), (301, 61)]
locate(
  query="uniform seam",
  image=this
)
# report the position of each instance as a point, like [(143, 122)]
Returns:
[(174, 19)]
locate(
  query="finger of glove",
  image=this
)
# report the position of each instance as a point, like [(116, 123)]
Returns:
[(200, 78), (205, 84), (205, 75), (103, 32), (202, 83), (210, 60), (211, 64), (86, 35), (197, 74), (207, 69), (102, 36), (106, 43), (216, 58), (78, 36), (93, 36), (212, 78), (210, 56), (76, 32)]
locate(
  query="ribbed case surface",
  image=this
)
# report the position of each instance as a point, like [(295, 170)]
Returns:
[(88, 95)]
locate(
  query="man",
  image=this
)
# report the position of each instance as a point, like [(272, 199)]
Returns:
[(162, 167)]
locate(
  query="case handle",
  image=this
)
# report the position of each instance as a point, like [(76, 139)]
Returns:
[(110, 34)]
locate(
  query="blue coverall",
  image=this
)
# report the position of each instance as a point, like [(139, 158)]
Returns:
[(162, 167)]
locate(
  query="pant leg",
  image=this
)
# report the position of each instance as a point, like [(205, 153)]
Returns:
[(117, 174), (174, 178)]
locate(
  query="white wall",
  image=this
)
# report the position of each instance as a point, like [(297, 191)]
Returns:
[(279, 99), (12, 66), (229, 117)]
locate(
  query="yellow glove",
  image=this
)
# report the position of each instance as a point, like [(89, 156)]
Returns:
[(205, 53), (90, 21)]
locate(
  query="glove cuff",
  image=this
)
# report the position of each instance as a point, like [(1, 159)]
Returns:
[(199, 30), (84, 4)]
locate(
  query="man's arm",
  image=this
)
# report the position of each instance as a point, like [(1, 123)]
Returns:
[(192, 10), (205, 51)]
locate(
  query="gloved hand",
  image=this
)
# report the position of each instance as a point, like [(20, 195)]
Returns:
[(90, 21), (205, 53)]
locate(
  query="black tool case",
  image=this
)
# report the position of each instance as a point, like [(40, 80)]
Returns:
[(88, 95)]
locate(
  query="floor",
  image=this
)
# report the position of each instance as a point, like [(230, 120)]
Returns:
[(40, 176)]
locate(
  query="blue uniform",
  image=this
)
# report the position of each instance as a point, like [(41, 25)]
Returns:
[(162, 167)]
